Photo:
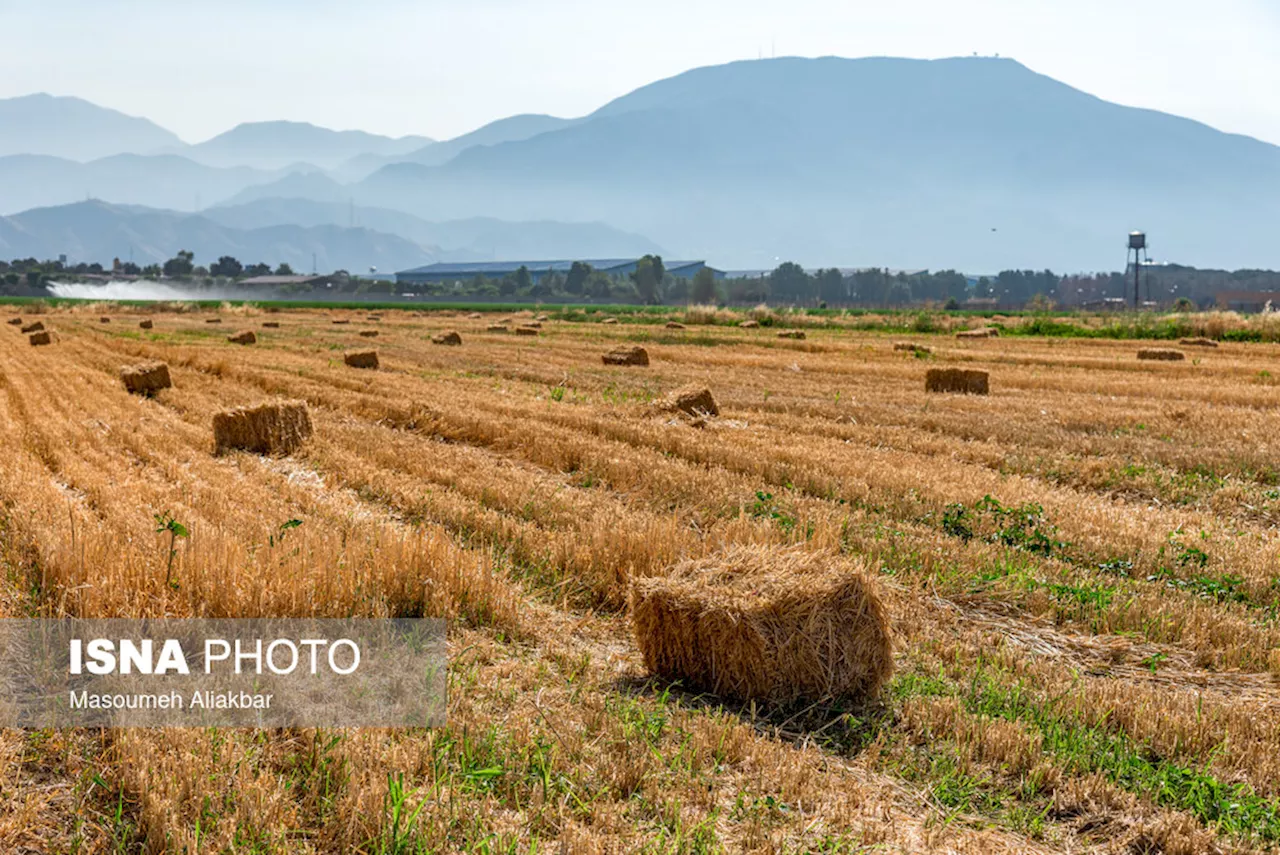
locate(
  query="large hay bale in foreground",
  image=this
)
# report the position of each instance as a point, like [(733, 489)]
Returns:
[(361, 358), (626, 356), (1199, 341), (278, 427), (243, 337), (692, 401), (1161, 353), (759, 622), (146, 378), (448, 337), (146, 324), (35, 326), (796, 334), (39, 338), (966, 380), (526, 331), (911, 346)]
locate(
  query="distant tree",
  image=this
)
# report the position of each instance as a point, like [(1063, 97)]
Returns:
[(151, 271), (180, 265), (200, 272), (830, 286), (899, 291), (599, 285), (646, 280), (789, 281), (226, 266), (12, 278), (34, 276), (507, 286), (258, 269), (659, 269), (576, 281), (1182, 304), (704, 287), (524, 282), (284, 269)]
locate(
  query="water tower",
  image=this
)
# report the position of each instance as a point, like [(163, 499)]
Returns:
[(1137, 251)]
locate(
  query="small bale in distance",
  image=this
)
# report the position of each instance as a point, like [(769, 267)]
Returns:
[(541, 318), (911, 346), (749, 325), (449, 337), (271, 325), (526, 331), (243, 337), (1199, 341), (796, 334), (696, 401), (626, 356), (273, 428), (104, 320), (475, 316), (982, 333), (1162, 354), (39, 338), (146, 324), (964, 380), (532, 325), (146, 378), (765, 623), (361, 358), (496, 328), (368, 333), (609, 321), (15, 322), (341, 320), (33, 327), (213, 320), (674, 325)]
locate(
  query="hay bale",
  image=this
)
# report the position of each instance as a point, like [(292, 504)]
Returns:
[(764, 623), (966, 380), (146, 378), (749, 325), (911, 346), (449, 337), (496, 328), (526, 331), (475, 316), (361, 358), (982, 333), (541, 318), (609, 321), (674, 325), (213, 320), (532, 325), (1161, 353), (374, 318), (146, 325), (341, 320), (104, 320), (243, 337), (271, 325), (14, 322), (1197, 342), (693, 401), (368, 333), (39, 338), (34, 327), (796, 334), (273, 428), (627, 356)]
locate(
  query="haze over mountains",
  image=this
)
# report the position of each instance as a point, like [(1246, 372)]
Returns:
[(977, 164)]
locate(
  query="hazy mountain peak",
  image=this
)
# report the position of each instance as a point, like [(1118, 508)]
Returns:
[(72, 128)]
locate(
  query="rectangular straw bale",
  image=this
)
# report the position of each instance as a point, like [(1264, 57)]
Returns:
[(39, 338), (448, 337), (1199, 341), (1161, 353), (911, 346), (146, 378), (213, 320), (526, 331), (982, 333), (781, 625), (361, 358), (496, 328), (271, 325), (368, 333), (243, 337), (34, 326), (626, 356), (796, 334), (278, 427), (966, 380), (692, 401), (146, 324), (16, 322)]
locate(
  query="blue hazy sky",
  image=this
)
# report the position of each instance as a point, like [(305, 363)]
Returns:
[(442, 67)]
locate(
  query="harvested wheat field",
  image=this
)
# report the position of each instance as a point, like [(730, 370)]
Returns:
[(763, 596)]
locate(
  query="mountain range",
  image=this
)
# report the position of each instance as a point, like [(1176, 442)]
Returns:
[(978, 164)]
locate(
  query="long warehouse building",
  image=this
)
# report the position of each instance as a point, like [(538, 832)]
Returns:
[(466, 271)]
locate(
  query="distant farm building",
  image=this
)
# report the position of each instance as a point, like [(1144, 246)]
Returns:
[(447, 272)]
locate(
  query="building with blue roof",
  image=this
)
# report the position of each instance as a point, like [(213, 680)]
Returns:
[(449, 272)]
